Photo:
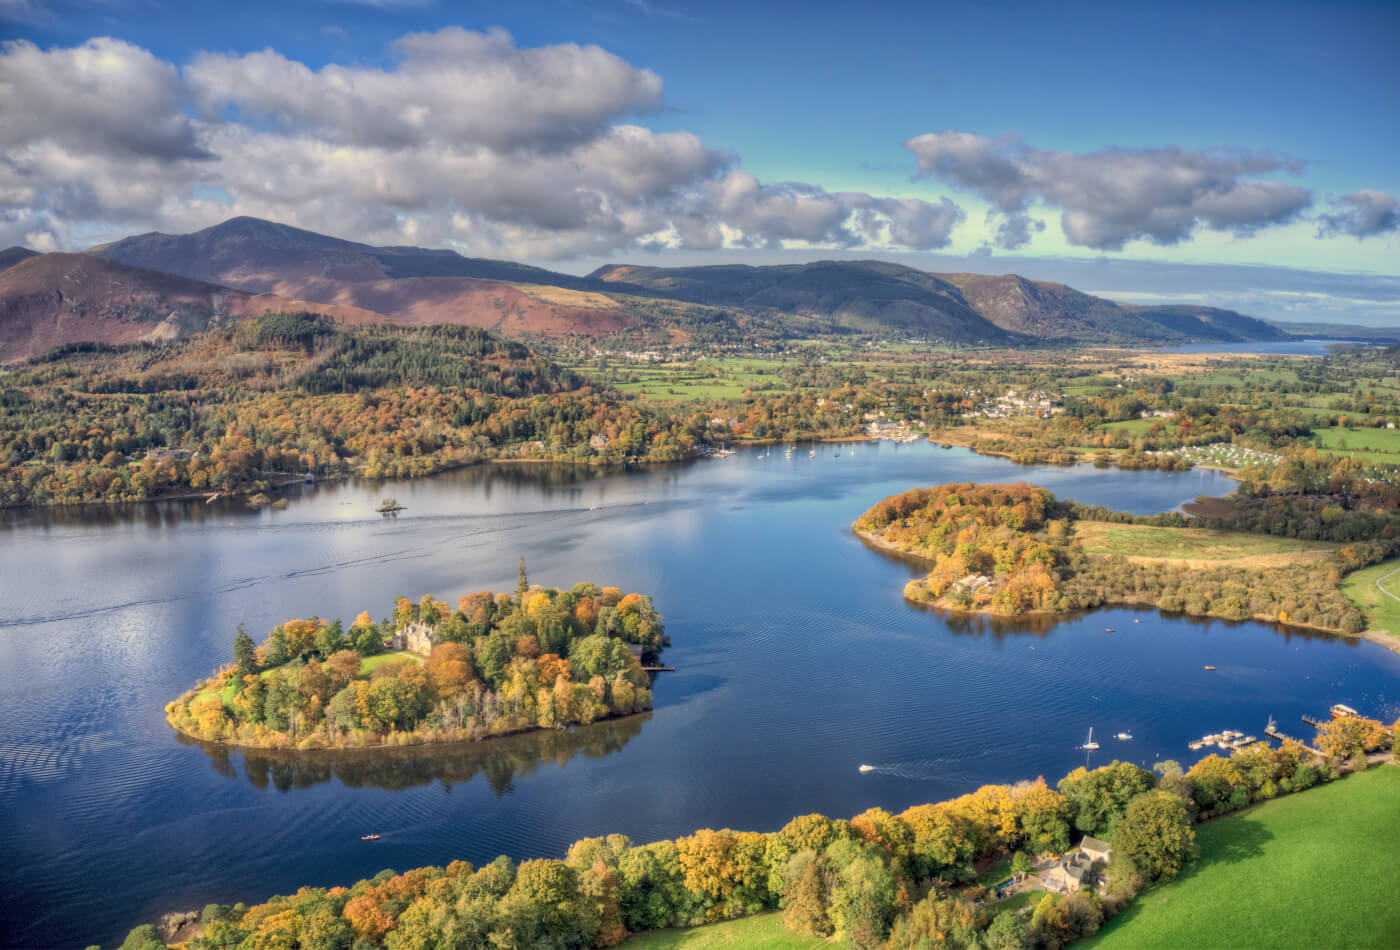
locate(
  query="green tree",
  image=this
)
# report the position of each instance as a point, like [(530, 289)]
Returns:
[(1007, 932), (522, 586), (1100, 796), (245, 657), (1156, 835), (330, 638)]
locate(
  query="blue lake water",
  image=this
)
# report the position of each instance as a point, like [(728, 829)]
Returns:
[(797, 659), (1280, 347)]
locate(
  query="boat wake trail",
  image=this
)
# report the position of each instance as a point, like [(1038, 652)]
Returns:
[(925, 770)]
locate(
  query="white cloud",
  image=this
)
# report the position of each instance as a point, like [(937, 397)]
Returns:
[(451, 87), (468, 140), (104, 97), (1113, 196)]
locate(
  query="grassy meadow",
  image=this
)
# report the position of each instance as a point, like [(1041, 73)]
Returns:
[(1368, 589), (763, 932), (1313, 870), (1192, 544)]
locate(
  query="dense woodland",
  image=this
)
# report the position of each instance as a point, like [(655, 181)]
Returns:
[(899, 881), (283, 395), (497, 664), (1010, 549)]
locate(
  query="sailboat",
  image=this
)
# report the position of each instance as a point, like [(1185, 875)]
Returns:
[(1090, 743)]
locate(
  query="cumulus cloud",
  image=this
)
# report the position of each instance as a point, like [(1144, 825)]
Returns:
[(104, 97), (1361, 214), (452, 86), (1116, 195), (467, 139)]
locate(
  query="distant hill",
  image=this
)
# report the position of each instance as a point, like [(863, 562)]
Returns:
[(48, 300), (403, 284), (11, 256), (716, 304), (870, 294), (861, 295)]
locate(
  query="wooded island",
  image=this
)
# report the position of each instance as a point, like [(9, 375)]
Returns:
[(498, 664)]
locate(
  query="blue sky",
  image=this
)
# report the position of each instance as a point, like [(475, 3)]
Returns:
[(765, 131)]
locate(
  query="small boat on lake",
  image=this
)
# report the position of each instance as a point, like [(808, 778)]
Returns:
[(1107, 629), (1089, 743), (369, 837), (867, 768), (1124, 736), (1211, 668), (1340, 711)]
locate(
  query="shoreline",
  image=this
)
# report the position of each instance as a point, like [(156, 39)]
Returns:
[(293, 749), (1378, 637)]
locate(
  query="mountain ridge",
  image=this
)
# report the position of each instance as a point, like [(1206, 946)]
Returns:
[(412, 285)]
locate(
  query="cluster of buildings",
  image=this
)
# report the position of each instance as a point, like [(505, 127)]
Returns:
[(1032, 402)]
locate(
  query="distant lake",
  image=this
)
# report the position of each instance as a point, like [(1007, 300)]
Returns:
[(797, 660), (1280, 347)]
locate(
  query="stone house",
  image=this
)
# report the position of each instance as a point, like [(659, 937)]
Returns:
[(417, 637)]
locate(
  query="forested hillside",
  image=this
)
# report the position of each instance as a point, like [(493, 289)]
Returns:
[(287, 394)]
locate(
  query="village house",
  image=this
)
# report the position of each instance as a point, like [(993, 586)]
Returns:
[(1077, 868)]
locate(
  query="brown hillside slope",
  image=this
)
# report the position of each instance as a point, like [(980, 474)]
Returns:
[(403, 284), (52, 299)]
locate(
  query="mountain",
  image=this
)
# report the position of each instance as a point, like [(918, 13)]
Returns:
[(871, 296), (48, 300), (11, 256), (1049, 311), (714, 304), (402, 284)]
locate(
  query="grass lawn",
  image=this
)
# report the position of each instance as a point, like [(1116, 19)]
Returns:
[(764, 932), (1374, 445), (1016, 901), (1316, 869), (1382, 612), (1131, 540), (368, 664)]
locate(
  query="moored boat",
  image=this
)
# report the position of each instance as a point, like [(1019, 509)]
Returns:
[(1339, 711)]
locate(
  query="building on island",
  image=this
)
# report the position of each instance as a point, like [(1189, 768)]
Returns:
[(417, 637)]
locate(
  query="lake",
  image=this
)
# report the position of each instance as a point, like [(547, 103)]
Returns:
[(1259, 348), (797, 661)]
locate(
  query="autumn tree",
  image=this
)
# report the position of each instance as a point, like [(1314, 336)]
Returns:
[(1156, 835)]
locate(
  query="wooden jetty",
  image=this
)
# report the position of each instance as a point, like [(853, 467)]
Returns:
[(658, 669), (1311, 721)]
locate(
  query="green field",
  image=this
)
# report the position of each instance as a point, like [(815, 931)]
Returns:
[(368, 664), (764, 932), (1316, 869), (1137, 426), (1382, 611), (1377, 445), (1131, 540)]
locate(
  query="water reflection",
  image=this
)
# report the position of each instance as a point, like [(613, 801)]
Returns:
[(500, 761)]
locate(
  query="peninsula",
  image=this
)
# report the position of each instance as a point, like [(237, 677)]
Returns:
[(1011, 550), (498, 664)]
